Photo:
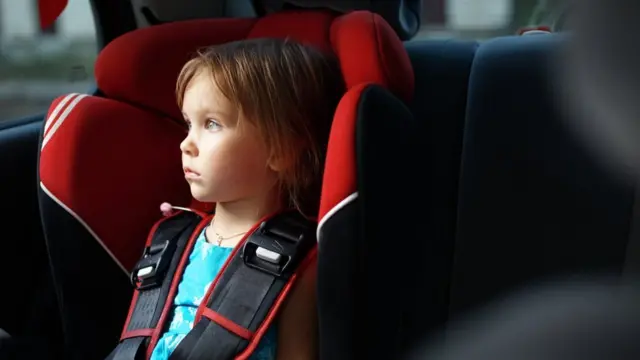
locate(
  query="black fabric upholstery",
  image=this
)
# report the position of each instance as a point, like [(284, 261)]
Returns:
[(93, 292), (442, 69), (386, 136), (533, 201), (385, 259), (23, 243), (361, 267), (338, 273), (591, 319)]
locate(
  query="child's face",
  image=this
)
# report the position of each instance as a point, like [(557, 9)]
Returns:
[(221, 163)]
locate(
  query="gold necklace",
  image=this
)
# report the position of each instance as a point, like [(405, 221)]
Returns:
[(220, 238)]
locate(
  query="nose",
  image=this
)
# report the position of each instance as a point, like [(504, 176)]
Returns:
[(188, 146)]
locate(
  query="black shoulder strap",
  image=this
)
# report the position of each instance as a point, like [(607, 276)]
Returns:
[(249, 289), (152, 277)]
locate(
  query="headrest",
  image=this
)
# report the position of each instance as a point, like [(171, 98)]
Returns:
[(141, 67), (534, 30), (155, 12), (402, 15)]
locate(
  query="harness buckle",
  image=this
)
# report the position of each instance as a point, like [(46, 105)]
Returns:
[(150, 269), (279, 244)]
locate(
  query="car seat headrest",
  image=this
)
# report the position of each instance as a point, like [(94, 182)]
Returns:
[(534, 30), (402, 15), (155, 12), (141, 67)]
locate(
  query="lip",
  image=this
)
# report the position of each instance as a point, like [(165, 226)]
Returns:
[(190, 174)]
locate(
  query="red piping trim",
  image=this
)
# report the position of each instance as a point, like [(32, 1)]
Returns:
[(227, 324), (137, 333)]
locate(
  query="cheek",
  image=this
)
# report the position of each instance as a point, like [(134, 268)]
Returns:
[(237, 158), (250, 162), (258, 153), (215, 155)]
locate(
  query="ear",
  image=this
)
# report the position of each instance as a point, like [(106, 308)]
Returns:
[(280, 163), (276, 164)]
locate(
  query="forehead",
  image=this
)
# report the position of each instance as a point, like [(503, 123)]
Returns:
[(202, 94)]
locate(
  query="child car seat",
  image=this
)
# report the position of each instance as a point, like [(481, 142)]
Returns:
[(108, 160)]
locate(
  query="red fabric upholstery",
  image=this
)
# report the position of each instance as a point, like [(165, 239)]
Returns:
[(108, 163), (141, 67), (116, 158), (370, 52), (147, 61), (339, 179)]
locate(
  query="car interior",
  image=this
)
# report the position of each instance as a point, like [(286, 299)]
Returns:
[(472, 182)]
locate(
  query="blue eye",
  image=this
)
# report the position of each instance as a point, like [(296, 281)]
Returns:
[(212, 125)]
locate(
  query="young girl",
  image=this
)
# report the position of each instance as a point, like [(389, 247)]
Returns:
[(259, 113)]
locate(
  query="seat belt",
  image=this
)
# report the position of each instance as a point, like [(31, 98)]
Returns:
[(247, 294), (243, 299), (631, 268), (152, 277)]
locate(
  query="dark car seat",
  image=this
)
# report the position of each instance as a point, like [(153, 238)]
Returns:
[(107, 162), (442, 69), (535, 202), (385, 292)]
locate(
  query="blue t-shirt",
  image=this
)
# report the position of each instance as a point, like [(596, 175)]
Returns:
[(205, 262)]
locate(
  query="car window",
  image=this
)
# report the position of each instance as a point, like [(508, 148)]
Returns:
[(485, 19), (37, 65)]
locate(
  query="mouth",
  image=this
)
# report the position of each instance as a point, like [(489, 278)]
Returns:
[(190, 174)]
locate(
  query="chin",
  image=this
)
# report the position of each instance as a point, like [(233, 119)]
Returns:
[(202, 196), (212, 194)]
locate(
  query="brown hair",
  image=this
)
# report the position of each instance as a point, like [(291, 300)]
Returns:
[(289, 92)]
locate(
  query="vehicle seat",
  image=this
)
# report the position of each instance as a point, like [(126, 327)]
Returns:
[(535, 202), (380, 303), (442, 69), (107, 162)]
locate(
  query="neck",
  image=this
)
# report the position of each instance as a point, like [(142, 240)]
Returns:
[(239, 216)]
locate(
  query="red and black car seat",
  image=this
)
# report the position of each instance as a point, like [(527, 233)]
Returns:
[(108, 160), (367, 216)]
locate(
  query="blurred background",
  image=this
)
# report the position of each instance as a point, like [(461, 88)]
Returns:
[(37, 65)]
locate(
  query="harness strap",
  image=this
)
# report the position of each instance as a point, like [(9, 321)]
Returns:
[(152, 277), (246, 295)]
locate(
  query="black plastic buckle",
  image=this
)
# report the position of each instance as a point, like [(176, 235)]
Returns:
[(279, 244), (151, 269)]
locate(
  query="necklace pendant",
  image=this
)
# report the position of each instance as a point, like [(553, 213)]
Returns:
[(219, 240)]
